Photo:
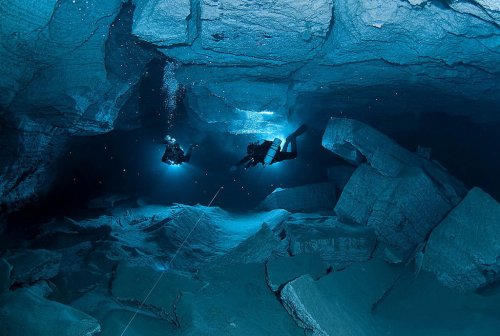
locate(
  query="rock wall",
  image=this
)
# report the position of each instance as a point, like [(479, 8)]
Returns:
[(66, 68), (269, 55)]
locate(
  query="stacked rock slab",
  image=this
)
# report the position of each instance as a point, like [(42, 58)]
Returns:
[(400, 195), (340, 303), (464, 250), (337, 244)]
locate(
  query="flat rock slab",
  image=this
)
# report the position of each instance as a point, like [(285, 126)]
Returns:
[(237, 301), (24, 313), (464, 249), (338, 244), (307, 198), (115, 322), (281, 270), (32, 265), (340, 303), (132, 283)]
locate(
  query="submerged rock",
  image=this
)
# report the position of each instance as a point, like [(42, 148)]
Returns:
[(336, 243), (339, 175), (256, 248), (29, 266), (65, 68), (132, 283), (307, 198), (24, 313), (281, 270), (463, 251), (397, 193), (340, 303), (236, 301), (355, 142), (5, 269), (402, 210)]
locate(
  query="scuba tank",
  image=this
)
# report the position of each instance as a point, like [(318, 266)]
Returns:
[(271, 153)]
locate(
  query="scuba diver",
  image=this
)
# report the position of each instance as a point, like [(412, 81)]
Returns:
[(174, 154), (268, 152)]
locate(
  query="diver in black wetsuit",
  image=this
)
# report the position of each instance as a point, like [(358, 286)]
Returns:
[(256, 152), (174, 154)]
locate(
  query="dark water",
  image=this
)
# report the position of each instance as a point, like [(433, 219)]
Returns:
[(128, 162)]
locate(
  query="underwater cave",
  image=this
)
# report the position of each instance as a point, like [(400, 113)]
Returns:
[(236, 167)]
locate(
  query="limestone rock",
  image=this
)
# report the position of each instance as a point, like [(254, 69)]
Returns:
[(29, 266), (402, 210), (281, 270), (339, 175), (340, 303), (115, 322), (307, 198), (132, 283), (150, 16), (463, 250), (355, 142), (337, 244), (257, 248), (5, 269), (61, 73), (237, 301), (24, 313)]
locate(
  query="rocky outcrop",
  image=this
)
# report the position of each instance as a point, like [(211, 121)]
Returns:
[(67, 68), (282, 270), (357, 142), (337, 244), (463, 250), (400, 195), (401, 210), (29, 266), (116, 275), (340, 303), (284, 52), (24, 313)]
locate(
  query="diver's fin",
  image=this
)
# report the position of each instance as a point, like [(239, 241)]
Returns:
[(299, 131)]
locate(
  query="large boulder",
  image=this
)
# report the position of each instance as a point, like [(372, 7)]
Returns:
[(357, 142), (307, 198), (340, 303), (337, 244), (464, 251), (399, 194), (24, 313), (29, 266), (402, 209)]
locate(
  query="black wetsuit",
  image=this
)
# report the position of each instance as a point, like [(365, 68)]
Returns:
[(257, 152), (174, 154)]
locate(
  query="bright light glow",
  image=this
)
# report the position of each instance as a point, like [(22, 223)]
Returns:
[(256, 122)]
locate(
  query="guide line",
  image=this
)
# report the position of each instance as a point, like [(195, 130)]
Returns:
[(170, 263)]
